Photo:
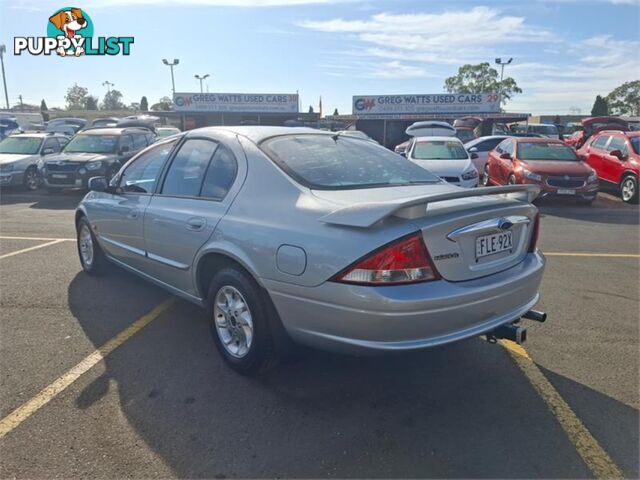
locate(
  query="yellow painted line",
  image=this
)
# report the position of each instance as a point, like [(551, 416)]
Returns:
[(37, 238), (25, 250), (586, 254), (20, 414), (596, 458)]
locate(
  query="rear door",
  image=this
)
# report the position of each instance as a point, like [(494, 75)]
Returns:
[(119, 217), (596, 152), (196, 192)]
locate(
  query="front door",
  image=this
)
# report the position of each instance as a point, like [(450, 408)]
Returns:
[(119, 217), (612, 166), (184, 214)]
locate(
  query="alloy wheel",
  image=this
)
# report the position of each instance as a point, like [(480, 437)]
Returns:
[(233, 321), (31, 180), (85, 241), (628, 189)]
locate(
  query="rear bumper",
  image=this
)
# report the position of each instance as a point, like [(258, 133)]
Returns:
[(359, 320)]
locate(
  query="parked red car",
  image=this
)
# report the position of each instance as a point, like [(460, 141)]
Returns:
[(615, 156), (593, 125), (546, 162)]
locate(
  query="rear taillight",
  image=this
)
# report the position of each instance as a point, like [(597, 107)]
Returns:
[(534, 234), (403, 261)]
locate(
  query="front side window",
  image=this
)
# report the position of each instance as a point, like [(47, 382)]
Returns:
[(20, 145), (546, 151), (141, 176), (438, 150), (188, 168), (85, 143), (506, 147), (617, 143), (51, 143), (139, 141), (600, 142), (338, 162), (126, 141), (488, 145)]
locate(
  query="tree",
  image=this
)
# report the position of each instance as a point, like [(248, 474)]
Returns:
[(165, 103), (335, 112), (76, 97), (600, 107), (481, 78), (135, 106), (44, 110), (144, 104), (113, 100), (625, 99), (91, 103), (310, 108)]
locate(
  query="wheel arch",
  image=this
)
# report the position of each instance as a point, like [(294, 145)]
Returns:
[(211, 261)]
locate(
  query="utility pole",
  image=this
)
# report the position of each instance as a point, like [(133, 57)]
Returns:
[(21, 104), (201, 78), (3, 50), (108, 84), (175, 62)]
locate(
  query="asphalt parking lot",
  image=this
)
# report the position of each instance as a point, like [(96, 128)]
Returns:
[(163, 404)]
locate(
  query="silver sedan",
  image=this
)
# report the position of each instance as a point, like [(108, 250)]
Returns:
[(295, 235)]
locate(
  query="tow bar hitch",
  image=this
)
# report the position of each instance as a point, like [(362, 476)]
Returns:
[(513, 332)]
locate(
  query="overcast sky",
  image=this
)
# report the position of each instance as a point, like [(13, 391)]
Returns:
[(565, 51)]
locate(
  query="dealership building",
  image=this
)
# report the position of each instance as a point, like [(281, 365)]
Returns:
[(386, 117)]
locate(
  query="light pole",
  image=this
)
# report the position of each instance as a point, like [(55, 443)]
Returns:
[(201, 78), (108, 84), (3, 49), (175, 62), (502, 65)]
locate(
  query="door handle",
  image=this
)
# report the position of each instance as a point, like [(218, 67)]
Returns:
[(133, 213), (196, 224)]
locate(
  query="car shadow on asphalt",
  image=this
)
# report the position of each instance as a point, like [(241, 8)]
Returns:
[(40, 199), (463, 410), (605, 209)]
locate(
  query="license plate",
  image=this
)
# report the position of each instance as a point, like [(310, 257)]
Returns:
[(566, 191), (58, 175), (492, 244)]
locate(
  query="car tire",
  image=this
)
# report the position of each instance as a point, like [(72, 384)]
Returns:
[(629, 189), (31, 181), (512, 180), (485, 181), (92, 257), (242, 321)]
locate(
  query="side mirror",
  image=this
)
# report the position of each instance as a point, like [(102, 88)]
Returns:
[(618, 154), (47, 151), (403, 153), (124, 149), (473, 149), (98, 184), (474, 155), (506, 156)]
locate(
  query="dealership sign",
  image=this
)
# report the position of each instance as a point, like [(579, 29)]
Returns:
[(236, 102), (429, 103)]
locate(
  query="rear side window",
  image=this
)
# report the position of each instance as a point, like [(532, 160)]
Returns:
[(220, 174), (488, 145), (141, 176), (188, 168), (126, 141), (139, 141), (338, 162), (600, 142)]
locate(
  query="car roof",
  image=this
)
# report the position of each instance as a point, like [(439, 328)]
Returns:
[(633, 133), (257, 133), (39, 135), (537, 140), (477, 140), (437, 139), (113, 130)]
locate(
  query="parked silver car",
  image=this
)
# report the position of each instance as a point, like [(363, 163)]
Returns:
[(294, 234), (21, 154)]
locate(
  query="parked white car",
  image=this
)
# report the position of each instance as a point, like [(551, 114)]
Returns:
[(481, 146), (445, 157)]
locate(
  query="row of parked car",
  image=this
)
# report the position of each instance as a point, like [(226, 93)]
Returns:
[(58, 159), (607, 158)]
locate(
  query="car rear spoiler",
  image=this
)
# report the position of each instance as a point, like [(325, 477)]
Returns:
[(367, 214)]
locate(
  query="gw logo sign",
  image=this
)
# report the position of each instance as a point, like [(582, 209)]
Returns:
[(365, 104), (70, 34)]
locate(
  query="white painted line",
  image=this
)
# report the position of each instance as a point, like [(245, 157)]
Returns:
[(25, 250), (44, 239)]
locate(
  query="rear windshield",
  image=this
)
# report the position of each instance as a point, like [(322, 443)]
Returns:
[(20, 145), (545, 129), (439, 150), (92, 144), (545, 151), (339, 162)]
